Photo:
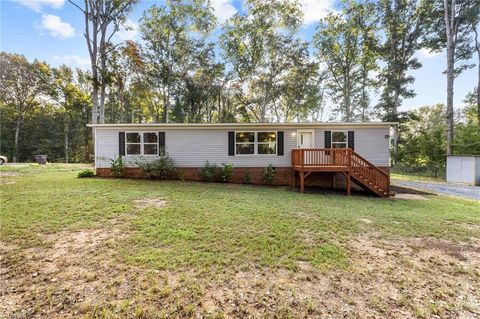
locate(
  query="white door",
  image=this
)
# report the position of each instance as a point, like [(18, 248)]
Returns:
[(467, 170), (305, 139)]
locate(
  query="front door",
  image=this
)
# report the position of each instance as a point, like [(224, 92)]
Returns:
[(305, 139)]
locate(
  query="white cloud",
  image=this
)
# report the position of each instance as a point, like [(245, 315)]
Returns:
[(57, 27), (223, 9), (128, 31), (314, 10), (426, 53), (37, 5), (72, 60)]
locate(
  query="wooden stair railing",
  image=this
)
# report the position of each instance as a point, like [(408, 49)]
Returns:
[(359, 169), (370, 175)]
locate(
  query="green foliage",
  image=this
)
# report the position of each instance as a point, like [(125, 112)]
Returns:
[(227, 170), (209, 171), (422, 144), (116, 166), (86, 173), (269, 59), (400, 19), (247, 176), (161, 168), (346, 42), (269, 174)]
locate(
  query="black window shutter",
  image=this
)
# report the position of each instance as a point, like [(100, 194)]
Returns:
[(328, 139), (231, 143), (280, 143), (161, 143), (351, 140), (121, 143)]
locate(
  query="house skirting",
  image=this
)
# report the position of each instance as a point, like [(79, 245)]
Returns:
[(283, 176)]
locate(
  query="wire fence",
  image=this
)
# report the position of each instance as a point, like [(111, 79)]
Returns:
[(435, 173)]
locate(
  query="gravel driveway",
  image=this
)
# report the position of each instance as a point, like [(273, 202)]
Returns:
[(465, 191)]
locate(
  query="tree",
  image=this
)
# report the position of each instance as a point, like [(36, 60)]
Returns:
[(449, 22), (21, 86), (467, 130), (344, 44), (102, 20), (474, 26), (401, 25), (423, 145), (260, 49), (72, 102), (173, 34)]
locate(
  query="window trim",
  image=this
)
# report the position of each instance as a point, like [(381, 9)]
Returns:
[(332, 142), (256, 143), (142, 143)]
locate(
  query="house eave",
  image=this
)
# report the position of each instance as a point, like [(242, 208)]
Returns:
[(244, 125)]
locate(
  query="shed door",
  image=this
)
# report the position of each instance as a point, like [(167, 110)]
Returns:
[(466, 171)]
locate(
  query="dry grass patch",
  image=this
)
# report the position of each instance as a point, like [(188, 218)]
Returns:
[(149, 202)]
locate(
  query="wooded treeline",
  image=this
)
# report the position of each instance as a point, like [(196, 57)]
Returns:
[(254, 67)]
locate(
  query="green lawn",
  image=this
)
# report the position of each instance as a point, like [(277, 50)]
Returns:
[(173, 258)]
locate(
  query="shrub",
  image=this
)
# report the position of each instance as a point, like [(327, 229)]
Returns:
[(269, 174), (161, 168), (247, 176), (227, 170), (86, 173), (208, 171), (116, 166)]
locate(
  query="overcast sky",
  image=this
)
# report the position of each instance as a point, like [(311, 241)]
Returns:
[(51, 30)]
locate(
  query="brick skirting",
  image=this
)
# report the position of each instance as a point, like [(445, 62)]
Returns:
[(283, 176)]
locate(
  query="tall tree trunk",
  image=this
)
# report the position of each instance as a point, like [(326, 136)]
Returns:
[(65, 132), (450, 82), (477, 48), (450, 33), (101, 107), (396, 104), (17, 136)]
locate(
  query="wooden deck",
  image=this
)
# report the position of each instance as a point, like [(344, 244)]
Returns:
[(341, 160)]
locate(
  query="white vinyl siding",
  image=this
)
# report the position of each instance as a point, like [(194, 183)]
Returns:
[(192, 147)]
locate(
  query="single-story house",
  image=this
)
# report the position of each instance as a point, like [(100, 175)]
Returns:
[(306, 153)]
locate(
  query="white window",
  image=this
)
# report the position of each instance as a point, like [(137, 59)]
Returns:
[(267, 143), (256, 143), (141, 143), (245, 143), (339, 139)]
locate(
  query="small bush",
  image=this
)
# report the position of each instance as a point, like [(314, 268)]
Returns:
[(269, 174), (208, 171), (227, 170), (247, 176), (116, 166), (161, 168), (86, 173)]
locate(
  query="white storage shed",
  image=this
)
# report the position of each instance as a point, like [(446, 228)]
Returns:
[(463, 169)]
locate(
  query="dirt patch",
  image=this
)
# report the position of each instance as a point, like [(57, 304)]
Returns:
[(405, 190), (78, 274), (9, 174), (149, 202), (423, 277), (410, 196), (48, 278), (365, 220), (6, 182)]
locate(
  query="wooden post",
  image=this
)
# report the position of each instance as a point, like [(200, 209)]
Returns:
[(302, 181), (348, 183)]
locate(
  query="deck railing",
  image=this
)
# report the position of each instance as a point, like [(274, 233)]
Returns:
[(322, 157), (341, 157)]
